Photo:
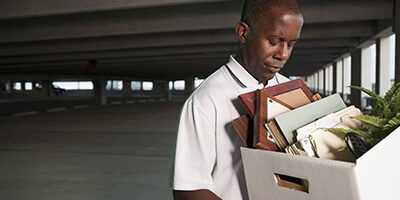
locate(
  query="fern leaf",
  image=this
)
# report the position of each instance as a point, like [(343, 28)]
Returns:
[(377, 110), (393, 91), (375, 121), (370, 93), (387, 113), (345, 131), (392, 124), (395, 105), (367, 136)]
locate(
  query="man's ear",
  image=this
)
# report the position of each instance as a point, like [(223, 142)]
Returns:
[(242, 32)]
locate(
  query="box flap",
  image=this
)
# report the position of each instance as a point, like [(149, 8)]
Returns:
[(378, 170)]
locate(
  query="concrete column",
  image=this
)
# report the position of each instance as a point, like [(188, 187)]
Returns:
[(164, 90), (346, 78), (316, 82), (334, 78), (321, 82), (355, 96), (339, 76), (397, 32), (2, 88), (189, 85), (46, 88), (367, 64), (100, 91), (325, 71), (377, 65), (22, 85), (126, 88), (386, 55)]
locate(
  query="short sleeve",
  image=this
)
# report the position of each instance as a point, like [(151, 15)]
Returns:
[(195, 152)]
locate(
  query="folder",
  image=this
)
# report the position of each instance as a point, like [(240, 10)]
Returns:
[(290, 121)]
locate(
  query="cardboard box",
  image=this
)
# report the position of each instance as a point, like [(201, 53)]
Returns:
[(374, 176)]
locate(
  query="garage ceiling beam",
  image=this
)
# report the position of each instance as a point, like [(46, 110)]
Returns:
[(29, 8), (314, 11), (227, 48), (143, 21)]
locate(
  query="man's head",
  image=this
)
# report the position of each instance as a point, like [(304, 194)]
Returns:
[(267, 32)]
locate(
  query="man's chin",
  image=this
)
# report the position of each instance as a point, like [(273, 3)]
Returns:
[(266, 78), (269, 76)]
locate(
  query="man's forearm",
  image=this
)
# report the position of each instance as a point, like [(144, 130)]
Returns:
[(195, 195)]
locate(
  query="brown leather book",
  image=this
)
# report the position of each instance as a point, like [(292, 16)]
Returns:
[(262, 139), (284, 92), (247, 101), (244, 127)]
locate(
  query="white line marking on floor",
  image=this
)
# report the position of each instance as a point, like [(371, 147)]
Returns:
[(23, 114), (57, 109)]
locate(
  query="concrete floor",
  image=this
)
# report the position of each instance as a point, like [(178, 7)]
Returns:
[(111, 152)]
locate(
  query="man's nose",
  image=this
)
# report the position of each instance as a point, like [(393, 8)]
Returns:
[(282, 53)]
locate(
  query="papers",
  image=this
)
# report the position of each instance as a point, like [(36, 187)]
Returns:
[(328, 144), (330, 121)]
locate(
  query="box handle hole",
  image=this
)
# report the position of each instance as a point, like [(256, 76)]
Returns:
[(291, 182)]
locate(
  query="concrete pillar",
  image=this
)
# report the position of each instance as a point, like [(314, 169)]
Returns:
[(367, 64), (33, 86), (377, 65), (386, 55), (2, 88), (334, 78), (126, 88), (396, 30), (321, 81), (339, 77), (23, 86), (163, 88), (355, 96), (325, 83), (100, 91), (46, 88), (316, 82), (346, 78), (189, 85)]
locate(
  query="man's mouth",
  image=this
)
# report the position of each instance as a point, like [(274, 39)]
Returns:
[(273, 69)]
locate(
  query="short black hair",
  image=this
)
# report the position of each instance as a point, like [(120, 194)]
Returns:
[(253, 10)]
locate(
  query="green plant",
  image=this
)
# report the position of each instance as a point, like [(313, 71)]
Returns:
[(382, 120)]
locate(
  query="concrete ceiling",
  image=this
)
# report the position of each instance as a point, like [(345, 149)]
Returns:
[(166, 39)]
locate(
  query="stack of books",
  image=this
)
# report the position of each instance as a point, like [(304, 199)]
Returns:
[(287, 117)]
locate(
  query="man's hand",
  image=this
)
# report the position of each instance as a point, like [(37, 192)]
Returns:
[(195, 195)]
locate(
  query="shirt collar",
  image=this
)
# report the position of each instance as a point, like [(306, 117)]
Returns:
[(243, 77)]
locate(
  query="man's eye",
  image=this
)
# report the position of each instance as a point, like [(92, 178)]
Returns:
[(273, 42)]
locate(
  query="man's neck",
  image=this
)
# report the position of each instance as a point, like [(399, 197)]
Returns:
[(239, 59)]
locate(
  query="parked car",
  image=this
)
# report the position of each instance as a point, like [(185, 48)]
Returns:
[(58, 91)]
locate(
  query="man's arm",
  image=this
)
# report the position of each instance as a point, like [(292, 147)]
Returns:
[(195, 195)]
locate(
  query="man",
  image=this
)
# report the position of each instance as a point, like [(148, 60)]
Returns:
[(207, 161)]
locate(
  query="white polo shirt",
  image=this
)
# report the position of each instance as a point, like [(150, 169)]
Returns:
[(207, 154)]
